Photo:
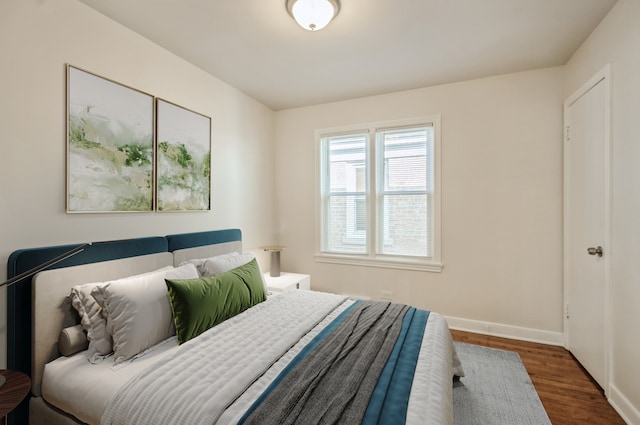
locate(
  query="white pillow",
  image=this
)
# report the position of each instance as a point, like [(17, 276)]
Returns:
[(223, 263), (93, 319), (219, 264), (199, 262), (138, 311), (92, 322)]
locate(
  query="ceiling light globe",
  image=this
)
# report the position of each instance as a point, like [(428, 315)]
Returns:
[(313, 15)]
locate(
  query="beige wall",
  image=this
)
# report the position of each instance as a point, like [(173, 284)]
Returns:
[(617, 42), (501, 201), (501, 171), (37, 39)]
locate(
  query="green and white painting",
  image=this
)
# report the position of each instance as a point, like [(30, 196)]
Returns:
[(184, 159), (109, 145)]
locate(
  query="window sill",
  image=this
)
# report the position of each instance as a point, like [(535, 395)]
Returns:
[(386, 262)]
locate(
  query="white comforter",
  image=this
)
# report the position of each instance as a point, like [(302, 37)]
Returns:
[(208, 373), (216, 377)]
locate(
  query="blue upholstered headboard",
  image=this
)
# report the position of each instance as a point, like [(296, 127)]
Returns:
[(19, 295), (192, 240)]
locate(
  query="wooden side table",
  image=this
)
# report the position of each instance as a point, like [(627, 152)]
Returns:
[(13, 391)]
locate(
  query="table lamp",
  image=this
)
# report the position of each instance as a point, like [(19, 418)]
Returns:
[(275, 258)]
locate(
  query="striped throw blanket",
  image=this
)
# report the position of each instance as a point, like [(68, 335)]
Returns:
[(351, 373)]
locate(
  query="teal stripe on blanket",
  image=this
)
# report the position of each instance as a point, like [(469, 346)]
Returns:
[(390, 399), (298, 358)]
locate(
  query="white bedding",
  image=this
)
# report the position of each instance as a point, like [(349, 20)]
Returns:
[(76, 386), (85, 390)]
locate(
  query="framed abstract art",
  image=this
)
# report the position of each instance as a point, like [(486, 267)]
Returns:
[(110, 145), (183, 158)]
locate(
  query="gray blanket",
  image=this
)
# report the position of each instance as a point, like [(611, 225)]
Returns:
[(334, 382)]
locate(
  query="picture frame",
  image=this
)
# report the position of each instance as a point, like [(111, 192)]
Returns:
[(110, 146), (183, 160)]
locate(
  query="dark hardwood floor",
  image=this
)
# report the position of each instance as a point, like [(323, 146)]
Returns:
[(566, 390)]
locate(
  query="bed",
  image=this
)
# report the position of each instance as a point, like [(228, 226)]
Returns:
[(295, 357)]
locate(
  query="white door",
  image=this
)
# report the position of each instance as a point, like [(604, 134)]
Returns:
[(586, 228)]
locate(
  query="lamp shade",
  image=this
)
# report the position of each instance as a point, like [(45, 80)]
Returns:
[(313, 15)]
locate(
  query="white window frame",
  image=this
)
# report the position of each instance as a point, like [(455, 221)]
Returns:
[(354, 235), (371, 259)]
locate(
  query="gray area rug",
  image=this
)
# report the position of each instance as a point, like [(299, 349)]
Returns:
[(496, 390)]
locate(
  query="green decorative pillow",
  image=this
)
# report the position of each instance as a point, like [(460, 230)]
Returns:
[(200, 304)]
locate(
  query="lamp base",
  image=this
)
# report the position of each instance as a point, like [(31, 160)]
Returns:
[(275, 258), (275, 264)]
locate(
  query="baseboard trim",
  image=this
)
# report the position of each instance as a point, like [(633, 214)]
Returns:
[(629, 413), (506, 331)]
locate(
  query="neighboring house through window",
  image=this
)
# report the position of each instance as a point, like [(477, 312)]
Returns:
[(379, 194)]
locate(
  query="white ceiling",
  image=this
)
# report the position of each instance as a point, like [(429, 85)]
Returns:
[(372, 47)]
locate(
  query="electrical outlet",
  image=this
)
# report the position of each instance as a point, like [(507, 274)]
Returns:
[(386, 295)]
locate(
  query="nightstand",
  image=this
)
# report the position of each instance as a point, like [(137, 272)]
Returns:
[(13, 391), (287, 281)]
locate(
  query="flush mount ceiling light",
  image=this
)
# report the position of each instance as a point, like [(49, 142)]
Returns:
[(313, 15)]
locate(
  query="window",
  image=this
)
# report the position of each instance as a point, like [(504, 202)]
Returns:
[(379, 195)]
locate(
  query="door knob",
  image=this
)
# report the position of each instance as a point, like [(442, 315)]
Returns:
[(595, 251)]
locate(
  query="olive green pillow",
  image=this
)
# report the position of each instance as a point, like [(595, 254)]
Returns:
[(200, 304)]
